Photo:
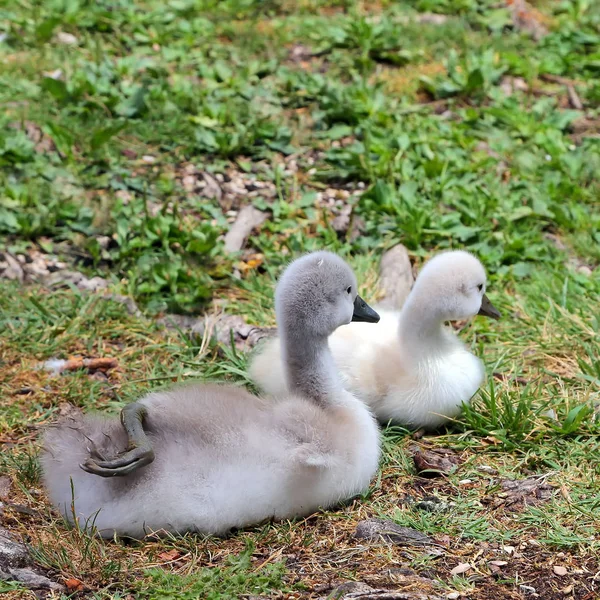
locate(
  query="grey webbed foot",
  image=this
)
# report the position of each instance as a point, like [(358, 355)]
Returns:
[(139, 451)]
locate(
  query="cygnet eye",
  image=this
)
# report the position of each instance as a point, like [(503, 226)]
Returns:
[(349, 290), (480, 287)]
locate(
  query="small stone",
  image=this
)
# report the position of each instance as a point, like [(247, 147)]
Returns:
[(528, 589), (584, 270), (56, 74), (559, 570), (341, 222), (124, 196), (453, 595), (487, 469), (148, 159), (189, 183), (103, 241), (67, 38), (395, 277), (432, 19), (5, 485), (32, 579), (430, 504), (12, 553), (10, 268), (93, 285)]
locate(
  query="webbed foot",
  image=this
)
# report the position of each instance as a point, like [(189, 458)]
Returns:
[(139, 451), (125, 463)]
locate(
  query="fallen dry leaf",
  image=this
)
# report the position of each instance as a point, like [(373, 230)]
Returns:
[(526, 18), (460, 568), (58, 366), (74, 585), (170, 555), (433, 463), (490, 439)]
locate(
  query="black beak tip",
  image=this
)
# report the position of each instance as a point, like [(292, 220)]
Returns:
[(363, 313), (488, 309)]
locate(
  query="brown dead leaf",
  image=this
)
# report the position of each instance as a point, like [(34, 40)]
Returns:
[(490, 439), (506, 377), (74, 585), (91, 364), (170, 555), (435, 462), (528, 19)]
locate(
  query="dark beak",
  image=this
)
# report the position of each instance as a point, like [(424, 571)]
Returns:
[(488, 309), (363, 312)]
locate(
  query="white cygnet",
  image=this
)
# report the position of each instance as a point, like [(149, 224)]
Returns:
[(409, 368)]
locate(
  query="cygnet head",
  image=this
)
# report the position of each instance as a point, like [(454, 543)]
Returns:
[(316, 294), (452, 285)]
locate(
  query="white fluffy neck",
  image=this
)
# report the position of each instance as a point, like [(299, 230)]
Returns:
[(422, 331)]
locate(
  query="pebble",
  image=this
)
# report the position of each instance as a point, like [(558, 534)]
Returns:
[(67, 38)]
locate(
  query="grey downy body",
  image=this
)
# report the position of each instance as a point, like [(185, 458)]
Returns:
[(216, 457)]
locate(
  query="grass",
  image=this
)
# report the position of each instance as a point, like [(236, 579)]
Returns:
[(131, 135)]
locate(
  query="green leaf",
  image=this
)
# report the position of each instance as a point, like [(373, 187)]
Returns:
[(8, 221), (45, 29), (56, 87), (101, 136), (133, 105), (307, 200), (63, 139), (474, 82)]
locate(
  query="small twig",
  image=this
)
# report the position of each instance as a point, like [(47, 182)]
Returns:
[(562, 80), (273, 556), (574, 98)]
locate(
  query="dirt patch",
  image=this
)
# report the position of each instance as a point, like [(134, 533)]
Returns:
[(405, 80)]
